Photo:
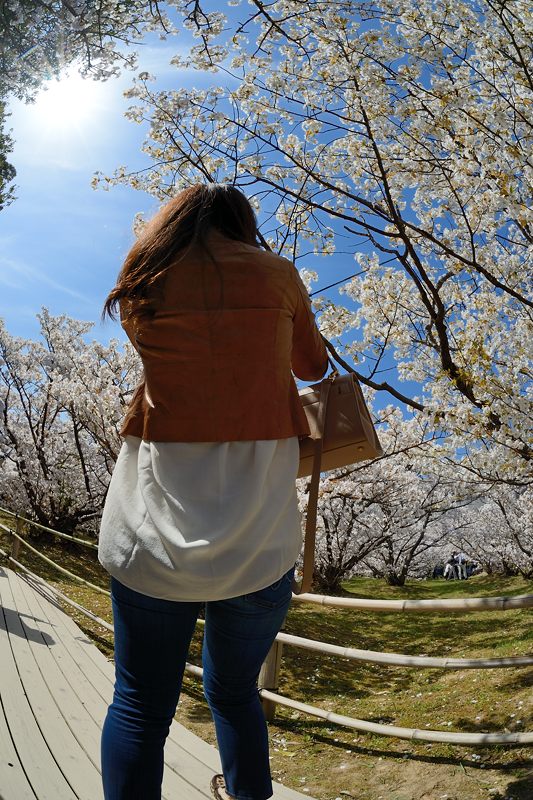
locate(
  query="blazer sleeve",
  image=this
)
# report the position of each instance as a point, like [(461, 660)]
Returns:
[(309, 354)]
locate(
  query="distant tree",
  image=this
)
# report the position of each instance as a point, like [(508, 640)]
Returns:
[(385, 517), (62, 400), (345, 537), (500, 534)]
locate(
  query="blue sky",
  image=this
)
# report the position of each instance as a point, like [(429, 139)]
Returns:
[(61, 242)]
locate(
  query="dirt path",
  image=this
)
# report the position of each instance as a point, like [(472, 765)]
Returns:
[(341, 765), (381, 778)]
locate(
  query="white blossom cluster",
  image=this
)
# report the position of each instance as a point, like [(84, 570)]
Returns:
[(399, 135), (499, 533), (62, 400), (39, 40)]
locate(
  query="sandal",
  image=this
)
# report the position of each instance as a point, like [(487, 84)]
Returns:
[(218, 788)]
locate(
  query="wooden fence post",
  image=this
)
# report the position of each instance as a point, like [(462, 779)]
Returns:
[(269, 676), (15, 544)]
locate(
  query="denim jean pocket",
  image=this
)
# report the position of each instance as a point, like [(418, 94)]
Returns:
[(274, 595)]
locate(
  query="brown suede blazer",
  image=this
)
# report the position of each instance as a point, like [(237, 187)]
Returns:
[(218, 352)]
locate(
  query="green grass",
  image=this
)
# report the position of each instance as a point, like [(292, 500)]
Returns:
[(333, 762)]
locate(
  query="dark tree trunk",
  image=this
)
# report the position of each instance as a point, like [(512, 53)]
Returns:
[(509, 570), (393, 579), (328, 580)]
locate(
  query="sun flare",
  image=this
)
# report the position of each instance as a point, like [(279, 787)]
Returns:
[(68, 102)]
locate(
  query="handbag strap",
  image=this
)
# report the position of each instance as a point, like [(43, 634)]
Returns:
[(312, 503)]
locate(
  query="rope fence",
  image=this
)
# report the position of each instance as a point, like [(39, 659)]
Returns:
[(270, 671), (401, 733), (372, 656), (453, 604), (399, 660), (34, 524), (70, 574)]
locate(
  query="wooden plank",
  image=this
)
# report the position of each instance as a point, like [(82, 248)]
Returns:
[(90, 660), (199, 751), (53, 619), (44, 775), (179, 780), (83, 672), (104, 665), (14, 784), (61, 686), (187, 757), (80, 773), (182, 747), (100, 672)]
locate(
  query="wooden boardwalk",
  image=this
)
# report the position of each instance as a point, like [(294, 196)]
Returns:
[(55, 686)]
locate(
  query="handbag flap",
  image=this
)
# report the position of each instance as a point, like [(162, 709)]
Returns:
[(349, 434)]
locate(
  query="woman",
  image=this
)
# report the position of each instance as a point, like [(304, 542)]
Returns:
[(202, 505)]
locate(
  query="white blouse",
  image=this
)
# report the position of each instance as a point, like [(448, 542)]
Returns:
[(201, 520)]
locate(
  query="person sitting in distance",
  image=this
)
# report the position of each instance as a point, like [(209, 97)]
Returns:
[(450, 568), (462, 562)]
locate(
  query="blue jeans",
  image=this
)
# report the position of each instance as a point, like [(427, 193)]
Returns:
[(152, 640)]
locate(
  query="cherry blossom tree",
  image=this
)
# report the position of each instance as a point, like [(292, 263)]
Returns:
[(500, 533), (388, 517), (399, 134), (62, 400)]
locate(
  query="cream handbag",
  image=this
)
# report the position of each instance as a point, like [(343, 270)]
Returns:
[(342, 433)]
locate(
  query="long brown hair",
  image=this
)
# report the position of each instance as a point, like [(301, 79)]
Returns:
[(181, 224)]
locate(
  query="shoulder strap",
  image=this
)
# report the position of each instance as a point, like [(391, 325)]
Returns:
[(312, 503)]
